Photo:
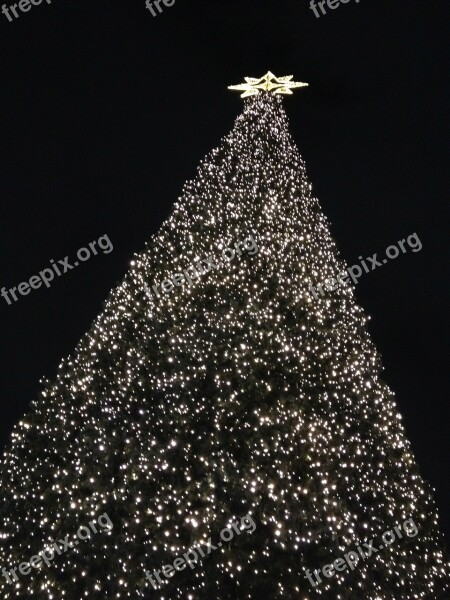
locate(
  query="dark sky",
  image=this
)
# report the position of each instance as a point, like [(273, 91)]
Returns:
[(106, 111)]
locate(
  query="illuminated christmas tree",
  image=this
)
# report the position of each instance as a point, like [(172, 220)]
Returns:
[(215, 385)]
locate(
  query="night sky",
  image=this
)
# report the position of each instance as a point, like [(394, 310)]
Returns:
[(106, 111)]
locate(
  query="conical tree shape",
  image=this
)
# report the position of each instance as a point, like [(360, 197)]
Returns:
[(236, 394)]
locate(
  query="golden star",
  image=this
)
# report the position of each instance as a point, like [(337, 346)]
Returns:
[(269, 83)]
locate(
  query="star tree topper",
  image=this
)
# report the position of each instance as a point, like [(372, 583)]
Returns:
[(269, 83)]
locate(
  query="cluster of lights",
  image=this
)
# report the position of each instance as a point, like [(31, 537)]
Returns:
[(240, 394)]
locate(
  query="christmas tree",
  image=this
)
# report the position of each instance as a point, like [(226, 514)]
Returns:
[(215, 391)]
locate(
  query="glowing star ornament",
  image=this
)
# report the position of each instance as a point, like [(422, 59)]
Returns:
[(268, 83)]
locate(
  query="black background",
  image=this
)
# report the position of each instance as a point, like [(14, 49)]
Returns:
[(106, 111)]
